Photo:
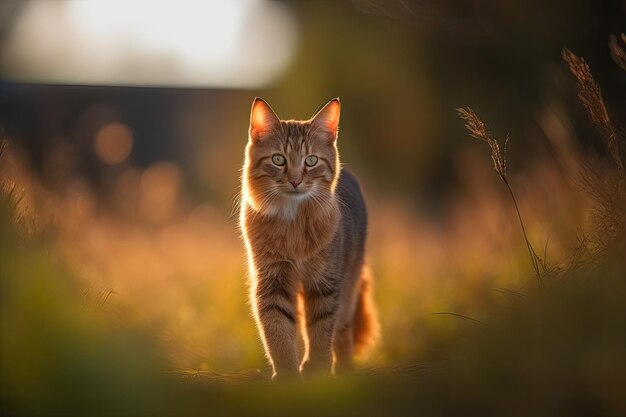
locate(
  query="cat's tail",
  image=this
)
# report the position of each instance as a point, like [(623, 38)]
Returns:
[(365, 325)]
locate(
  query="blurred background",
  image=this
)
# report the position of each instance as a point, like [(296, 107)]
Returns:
[(126, 123)]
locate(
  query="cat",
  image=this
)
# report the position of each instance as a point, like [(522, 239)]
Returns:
[(304, 224)]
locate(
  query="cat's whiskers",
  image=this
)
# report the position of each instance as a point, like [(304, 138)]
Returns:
[(321, 200), (271, 203), (267, 198)]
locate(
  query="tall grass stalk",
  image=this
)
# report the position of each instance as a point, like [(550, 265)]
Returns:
[(478, 130), (605, 185)]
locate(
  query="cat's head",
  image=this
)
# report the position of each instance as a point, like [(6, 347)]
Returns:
[(289, 161)]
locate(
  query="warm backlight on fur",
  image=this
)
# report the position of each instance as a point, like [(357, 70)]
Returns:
[(303, 221), (328, 117), (262, 117)]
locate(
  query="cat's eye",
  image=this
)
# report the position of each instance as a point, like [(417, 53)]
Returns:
[(278, 159), (310, 160)]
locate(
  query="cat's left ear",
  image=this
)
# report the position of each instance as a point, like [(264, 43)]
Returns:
[(326, 121)]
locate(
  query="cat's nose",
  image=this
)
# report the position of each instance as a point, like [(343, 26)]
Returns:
[(295, 183)]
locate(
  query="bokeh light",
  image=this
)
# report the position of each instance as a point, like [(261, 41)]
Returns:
[(160, 187), (113, 143)]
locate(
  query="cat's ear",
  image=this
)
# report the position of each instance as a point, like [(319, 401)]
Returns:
[(326, 120), (263, 120)]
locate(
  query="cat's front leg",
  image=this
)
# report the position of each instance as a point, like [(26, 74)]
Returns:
[(321, 302), (274, 296)]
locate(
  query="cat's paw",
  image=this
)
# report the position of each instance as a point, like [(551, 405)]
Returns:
[(315, 369), (344, 368), (287, 377)]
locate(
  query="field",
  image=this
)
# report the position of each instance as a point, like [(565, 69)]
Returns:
[(506, 298)]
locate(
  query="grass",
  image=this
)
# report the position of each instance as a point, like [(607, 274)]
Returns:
[(112, 315), (479, 131)]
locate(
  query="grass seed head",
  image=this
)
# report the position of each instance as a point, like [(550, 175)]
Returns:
[(477, 129), (590, 96)]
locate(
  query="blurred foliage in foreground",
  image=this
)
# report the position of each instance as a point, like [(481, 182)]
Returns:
[(103, 317), (553, 349), (557, 352)]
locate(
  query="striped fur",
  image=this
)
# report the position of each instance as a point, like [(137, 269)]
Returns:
[(304, 228)]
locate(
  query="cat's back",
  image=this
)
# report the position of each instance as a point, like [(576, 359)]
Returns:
[(353, 210)]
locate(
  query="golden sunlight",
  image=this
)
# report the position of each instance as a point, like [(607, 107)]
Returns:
[(209, 43)]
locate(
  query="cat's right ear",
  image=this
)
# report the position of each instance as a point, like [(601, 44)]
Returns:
[(263, 120)]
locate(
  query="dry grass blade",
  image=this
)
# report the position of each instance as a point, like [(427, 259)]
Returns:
[(603, 184), (608, 215), (217, 377), (590, 96), (12, 195), (478, 130), (3, 144), (617, 50), (9, 191), (471, 319)]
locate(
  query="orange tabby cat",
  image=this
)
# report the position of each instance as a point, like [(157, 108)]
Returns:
[(304, 224)]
